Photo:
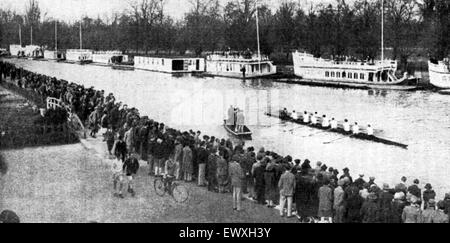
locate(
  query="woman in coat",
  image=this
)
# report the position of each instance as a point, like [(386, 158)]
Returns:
[(222, 172), (325, 201), (270, 184)]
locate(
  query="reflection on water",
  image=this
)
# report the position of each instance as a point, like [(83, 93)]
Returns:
[(420, 119)]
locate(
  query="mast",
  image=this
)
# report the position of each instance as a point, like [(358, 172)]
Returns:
[(56, 36), (257, 37), (81, 38), (382, 30), (20, 34)]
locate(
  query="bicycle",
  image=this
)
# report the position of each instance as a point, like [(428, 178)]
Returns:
[(164, 185)]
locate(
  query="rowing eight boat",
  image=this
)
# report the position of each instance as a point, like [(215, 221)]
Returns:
[(340, 130)]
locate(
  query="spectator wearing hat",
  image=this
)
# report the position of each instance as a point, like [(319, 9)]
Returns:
[(372, 181), (428, 194), (211, 169), (318, 168), (426, 217), (447, 203), (411, 213), (346, 174), (286, 184), (353, 204), (339, 203), (360, 181), (440, 217), (398, 205), (325, 202), (258, 171), (385, 203), (202, 159), (370, 211), (415, 190), (302, 194)]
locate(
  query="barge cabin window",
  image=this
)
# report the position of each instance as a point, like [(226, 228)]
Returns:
[(327, 74), (344, 74)]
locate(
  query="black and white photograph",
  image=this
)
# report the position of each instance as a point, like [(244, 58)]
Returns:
[(212, 112)]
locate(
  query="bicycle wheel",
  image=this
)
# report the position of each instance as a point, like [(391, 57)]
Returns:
[(180, 193), (158, 184)]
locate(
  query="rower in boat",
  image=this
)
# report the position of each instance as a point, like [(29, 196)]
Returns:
[(314, 119), (325, 122), (334, 124), (305, 117), (369, 130), (346, 126), (294, 115), (355, 129)]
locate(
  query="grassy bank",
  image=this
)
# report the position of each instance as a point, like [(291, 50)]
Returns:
[(17, 124)]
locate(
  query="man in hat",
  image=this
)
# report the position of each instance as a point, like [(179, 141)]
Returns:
[(372, 180), (339, 203), (428, 194), (447, 203), (286, 184), (385, 203)]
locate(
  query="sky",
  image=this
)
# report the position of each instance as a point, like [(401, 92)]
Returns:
[(70, 10)]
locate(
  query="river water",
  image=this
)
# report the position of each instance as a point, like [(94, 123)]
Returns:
[(419, 119)]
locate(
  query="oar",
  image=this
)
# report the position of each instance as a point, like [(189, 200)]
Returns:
[(290, 130), (310, 135), (332, 141)]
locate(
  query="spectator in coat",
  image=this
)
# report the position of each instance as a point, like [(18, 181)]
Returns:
[(398, 205), (370, 212), (258, 175), (440, 217), (236, 175), (286, 184), (426, 217), (270, 184), (188, 166), (339, 203), (325, 202), (202, 159), (447, 203), (178, 156), (302, 194), (353, 204), (411, 213), (211, 169), (385, 198), (428, 194), (222, 172), (415, 190)]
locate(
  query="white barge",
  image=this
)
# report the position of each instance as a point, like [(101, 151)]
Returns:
[(109, 57), (239, 66), (312, 69), (170, 64), (440, 73), (80, 56)]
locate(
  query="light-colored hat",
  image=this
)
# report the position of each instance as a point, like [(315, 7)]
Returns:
[(399, 196), (385, 186), (341, 182)]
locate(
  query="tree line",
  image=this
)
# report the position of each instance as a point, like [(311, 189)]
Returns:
[(410, 27)]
